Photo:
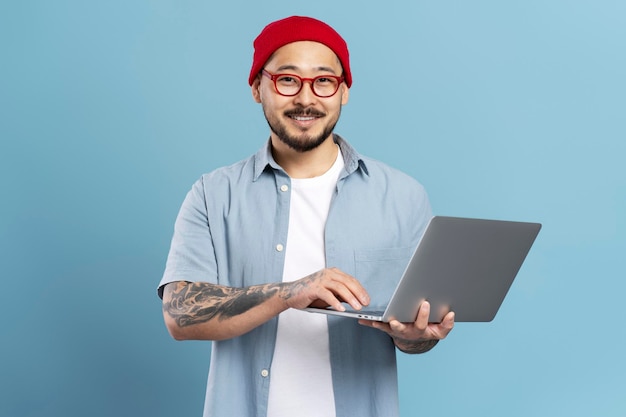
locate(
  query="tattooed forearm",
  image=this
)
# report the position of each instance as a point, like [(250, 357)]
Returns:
[(411, 346), (295, 288), (199, 302)]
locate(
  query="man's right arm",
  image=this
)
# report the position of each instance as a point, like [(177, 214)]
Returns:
[(205, 311)]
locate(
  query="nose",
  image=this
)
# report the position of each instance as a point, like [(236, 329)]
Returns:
[(306, 97)]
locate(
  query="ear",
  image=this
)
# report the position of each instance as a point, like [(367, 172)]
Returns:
[(345, 94), (256, 89)]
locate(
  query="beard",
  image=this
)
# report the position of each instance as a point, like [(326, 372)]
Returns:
[(303, 142)]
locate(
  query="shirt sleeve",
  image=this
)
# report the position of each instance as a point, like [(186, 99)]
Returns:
[(191, 256)]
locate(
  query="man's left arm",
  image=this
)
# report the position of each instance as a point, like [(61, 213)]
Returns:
[(418, 337), (413, 347)]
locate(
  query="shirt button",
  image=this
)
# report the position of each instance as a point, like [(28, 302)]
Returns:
[(284, 188), (279, 247), (265, 373)]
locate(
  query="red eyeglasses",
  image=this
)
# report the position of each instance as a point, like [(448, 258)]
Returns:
[(289, 85)]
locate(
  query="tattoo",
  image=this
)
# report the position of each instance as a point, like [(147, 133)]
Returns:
[(415, 346), (198, 302), (296, 287)]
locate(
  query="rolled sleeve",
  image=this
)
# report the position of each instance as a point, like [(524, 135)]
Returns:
[(192, 255)]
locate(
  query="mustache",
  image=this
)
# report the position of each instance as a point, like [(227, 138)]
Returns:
[(301, 111)]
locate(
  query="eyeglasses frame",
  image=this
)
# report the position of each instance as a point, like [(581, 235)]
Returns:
[(274, 77)]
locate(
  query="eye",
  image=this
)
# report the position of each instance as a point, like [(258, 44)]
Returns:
[(287, 80), (324, 80)]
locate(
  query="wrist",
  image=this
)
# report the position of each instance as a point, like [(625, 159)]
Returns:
[(415, 346)]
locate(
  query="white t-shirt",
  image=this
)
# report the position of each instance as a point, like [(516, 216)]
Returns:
[(301, 381)]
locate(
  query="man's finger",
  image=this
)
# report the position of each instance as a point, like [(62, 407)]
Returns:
[(421, 322)]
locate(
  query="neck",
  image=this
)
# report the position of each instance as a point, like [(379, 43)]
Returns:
[(308, 164)]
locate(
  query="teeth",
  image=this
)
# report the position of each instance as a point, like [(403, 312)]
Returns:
[(303, 118)]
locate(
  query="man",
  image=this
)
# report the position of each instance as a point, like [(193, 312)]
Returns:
[(305, 221)]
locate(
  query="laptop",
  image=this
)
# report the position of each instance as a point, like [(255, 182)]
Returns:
[(460, 264)]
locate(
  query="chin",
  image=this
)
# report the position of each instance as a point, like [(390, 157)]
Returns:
[(302, 144)]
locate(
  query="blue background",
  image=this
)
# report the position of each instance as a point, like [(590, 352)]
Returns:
[(109, 111)]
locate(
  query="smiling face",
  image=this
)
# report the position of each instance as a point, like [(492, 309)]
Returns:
[(305, 121)]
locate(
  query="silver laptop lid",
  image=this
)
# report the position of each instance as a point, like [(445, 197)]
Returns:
[(462, 265)]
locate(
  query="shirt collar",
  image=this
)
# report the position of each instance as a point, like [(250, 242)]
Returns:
[(352, 159)]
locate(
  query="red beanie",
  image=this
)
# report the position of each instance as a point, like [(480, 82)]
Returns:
[(293, 29)]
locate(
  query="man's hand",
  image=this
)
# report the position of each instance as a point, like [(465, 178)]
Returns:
[(419, 336), (327, 287)]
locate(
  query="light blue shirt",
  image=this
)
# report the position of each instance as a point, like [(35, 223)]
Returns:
[(231, 230)]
